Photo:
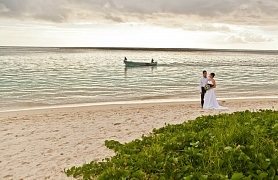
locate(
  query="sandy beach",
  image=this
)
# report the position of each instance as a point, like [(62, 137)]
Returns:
[(40, 144)]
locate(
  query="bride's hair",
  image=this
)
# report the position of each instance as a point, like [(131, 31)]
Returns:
[(212, 74)]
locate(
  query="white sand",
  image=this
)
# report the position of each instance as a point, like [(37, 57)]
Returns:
[(39, 144)]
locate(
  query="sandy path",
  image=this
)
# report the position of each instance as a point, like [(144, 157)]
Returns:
[(39, 144)]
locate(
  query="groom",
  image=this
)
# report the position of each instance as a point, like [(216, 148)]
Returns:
[(203, 82)]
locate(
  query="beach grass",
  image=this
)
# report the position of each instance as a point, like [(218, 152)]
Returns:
[(242, 145)]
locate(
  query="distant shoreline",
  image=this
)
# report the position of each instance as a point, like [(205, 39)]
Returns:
[(155, 49)]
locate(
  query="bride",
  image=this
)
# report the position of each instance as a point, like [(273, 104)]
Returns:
[(210, 98)]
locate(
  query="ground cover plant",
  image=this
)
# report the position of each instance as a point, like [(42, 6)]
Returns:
[(242, 145)]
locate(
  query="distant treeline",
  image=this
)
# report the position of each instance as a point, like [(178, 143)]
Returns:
[(154, 49)]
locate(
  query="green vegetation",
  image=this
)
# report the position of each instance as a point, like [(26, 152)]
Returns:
[(242, 145)]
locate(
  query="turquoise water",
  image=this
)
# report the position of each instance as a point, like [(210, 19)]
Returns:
[(40, 77)]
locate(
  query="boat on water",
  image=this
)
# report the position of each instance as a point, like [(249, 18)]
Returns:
[(131, 63)]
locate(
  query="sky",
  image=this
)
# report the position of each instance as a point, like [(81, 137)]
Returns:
[(216, 24)]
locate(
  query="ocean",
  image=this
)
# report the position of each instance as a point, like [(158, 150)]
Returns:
[(33, 77)]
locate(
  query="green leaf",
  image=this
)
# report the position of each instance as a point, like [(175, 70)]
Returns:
[(237, 176), (188, 177), (262, 176), (228, 148)]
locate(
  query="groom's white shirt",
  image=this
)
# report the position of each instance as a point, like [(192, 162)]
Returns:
[(203, 82)]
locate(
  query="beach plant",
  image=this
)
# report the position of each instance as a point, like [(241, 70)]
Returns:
[(238, 146)]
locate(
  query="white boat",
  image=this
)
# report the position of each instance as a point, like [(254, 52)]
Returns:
[(131, 63)]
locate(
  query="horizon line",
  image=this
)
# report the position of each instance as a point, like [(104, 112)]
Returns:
[(147, 48)]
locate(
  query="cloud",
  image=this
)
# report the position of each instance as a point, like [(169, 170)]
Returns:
[(37, 10), (247, 37), (3, 8), (114, 18), (164, 12), (207, 27)]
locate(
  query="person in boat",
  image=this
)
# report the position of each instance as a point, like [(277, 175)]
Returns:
[(152, 61), (125, 59)]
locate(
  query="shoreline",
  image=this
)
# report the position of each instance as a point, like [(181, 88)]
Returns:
[(40, 144), (130, 102)]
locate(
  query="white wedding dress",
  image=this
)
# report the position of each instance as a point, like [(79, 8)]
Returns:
[(211, 101)]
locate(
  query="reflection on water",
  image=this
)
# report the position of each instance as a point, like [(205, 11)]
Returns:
[(131, 69)]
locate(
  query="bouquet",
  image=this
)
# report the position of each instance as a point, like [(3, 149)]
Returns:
[(208, 86)]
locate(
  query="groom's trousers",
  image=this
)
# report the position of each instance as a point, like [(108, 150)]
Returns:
[(203, 96)]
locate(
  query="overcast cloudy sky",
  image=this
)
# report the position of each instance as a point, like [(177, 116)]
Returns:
[(235, 24)]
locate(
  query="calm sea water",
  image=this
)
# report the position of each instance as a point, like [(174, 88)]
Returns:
[(40, 77)]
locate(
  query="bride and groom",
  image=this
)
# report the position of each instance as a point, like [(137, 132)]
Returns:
[(208, 98)]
